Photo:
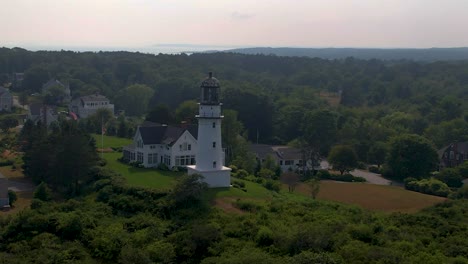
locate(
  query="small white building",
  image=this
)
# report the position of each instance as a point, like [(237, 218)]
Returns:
[(6, 99), (88, 105), (155, 144), (41, 112), (210, 155), (288, 158)]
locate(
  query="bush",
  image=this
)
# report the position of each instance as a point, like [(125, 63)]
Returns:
[(461, 193), (246, 205), (238, 184), (374, 169), (241, 174), (102, 162), (428, 186), (323, 174), (163, 167), (451, 177), (12, 197), (4, 163), (233, 168), (272, 185)]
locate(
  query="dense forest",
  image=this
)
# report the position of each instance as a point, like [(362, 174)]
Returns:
[(432, 54), (378, 112)]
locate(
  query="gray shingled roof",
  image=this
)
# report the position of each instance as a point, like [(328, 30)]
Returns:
[(94, 98), (153, 133), (281, 152)]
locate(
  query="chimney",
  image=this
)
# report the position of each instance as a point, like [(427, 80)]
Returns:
[(210, 74)]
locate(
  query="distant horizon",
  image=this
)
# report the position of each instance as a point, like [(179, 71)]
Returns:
[(188, 47)]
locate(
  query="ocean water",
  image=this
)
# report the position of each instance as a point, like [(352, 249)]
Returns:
[(152, 49)]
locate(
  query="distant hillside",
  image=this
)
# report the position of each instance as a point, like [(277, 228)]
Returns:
[(433, 54)]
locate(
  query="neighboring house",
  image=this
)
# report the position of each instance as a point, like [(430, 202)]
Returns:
[(4, 199), (88, 105), (18, 78), (453, 155), (288, 158), (41, 112), (52, 83), (6, 99), (154, 144)]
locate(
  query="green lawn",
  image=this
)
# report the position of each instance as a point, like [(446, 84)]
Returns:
[(110, 141), (254, 190), (140, 176)]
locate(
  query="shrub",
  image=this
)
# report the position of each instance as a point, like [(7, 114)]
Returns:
[(102, 162), (241, 174), (233, 168), (374, 169), (451, 177), (238, 184), (272, 185), (163, 167), (12, 197), (323, 174), (264, 236), (246, 205), (4, 163), (428, 186)]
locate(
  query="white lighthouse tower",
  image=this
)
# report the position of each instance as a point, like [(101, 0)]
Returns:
[(210, 156)]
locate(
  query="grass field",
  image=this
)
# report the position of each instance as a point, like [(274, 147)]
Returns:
[(110, 141), (140, 176), (374, 197)]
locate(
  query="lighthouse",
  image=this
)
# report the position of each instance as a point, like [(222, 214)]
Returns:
[(210, 155)]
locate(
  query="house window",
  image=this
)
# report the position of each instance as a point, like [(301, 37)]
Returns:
[(184, 160), (167, 160), (281, 163), (288, 162), (214, 164), (214, 144), (214, 124), (189, 147), (150, 158), (140, 157), (180, 147)]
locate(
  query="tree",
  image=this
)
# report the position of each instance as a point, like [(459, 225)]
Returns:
[(291, 179), (63, 159), (8, 122), (188, 190), (160, 114), (377, 153), (450, 176), (343, 158), (319, 129), (411, 156), (231, 131), (187, 111), (314, 186), (134, 99), (42, 192), (12, 197)]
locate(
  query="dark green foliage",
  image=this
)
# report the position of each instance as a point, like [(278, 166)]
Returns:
[(451, 177), (188, 190), (272, 185), (42, 192), (12, 197), (160, 114), (343, 158), (62, 159), (411, 156), (428, 186)]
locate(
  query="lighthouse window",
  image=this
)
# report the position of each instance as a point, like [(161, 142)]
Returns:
[(214, 144), (189, 147), (214, 124), (214, 164)]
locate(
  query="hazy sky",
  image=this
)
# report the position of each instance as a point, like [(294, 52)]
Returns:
[(306, 23)]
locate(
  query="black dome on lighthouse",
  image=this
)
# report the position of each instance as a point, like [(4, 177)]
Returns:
[(210, 81)]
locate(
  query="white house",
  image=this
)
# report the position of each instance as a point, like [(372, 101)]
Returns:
[(41, 112), (88, 105), (6, 99), (288, 158), (154, 144)]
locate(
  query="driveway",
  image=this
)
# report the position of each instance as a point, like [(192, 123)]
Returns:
[(19, 185), (373, 178)]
